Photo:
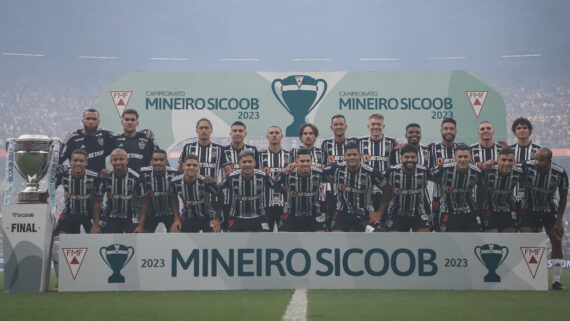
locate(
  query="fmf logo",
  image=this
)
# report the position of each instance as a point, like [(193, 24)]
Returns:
[(532, 257), (477, 99), (18, 215), (121, 100), (74, 258)]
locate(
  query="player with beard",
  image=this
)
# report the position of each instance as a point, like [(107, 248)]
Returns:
[(413, 136), (497, 190), (440, 154), (302, 210), (457, 181), (525, 150), (247, 187), (273, 161), (123, 186), (333, 154), (543, 179), (193, 188), (486, 152), (409, 208), (230, 162), (82, 199), (353, 183), (138, 145), (308, 134), (157, 182), (96, 142)]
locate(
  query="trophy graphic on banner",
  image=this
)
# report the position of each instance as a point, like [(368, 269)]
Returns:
[(299, 95), (491, 256), (28, 224), (116, 256)]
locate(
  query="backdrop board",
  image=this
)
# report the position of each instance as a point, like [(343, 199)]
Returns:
[(128, 262), (170, 103)]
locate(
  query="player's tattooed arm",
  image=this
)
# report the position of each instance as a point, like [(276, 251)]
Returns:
[(97, 201), (174, 204)]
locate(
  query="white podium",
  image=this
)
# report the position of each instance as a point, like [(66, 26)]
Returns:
[(27, 230)]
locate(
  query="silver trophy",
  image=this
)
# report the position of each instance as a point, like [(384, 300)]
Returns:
[(32, 157)]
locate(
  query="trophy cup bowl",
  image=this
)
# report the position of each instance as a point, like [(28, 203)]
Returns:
[(32, 154), (116, 256), (299, 95), (491, 256)]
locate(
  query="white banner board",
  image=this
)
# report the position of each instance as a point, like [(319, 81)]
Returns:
[(127, 262)]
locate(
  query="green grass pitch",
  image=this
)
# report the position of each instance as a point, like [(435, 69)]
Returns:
[(271, 305)]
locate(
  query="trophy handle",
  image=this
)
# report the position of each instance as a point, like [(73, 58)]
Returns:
[(278, 94), (321, 91), (101, 250), (477, 251), (131, 253), (505, 253)]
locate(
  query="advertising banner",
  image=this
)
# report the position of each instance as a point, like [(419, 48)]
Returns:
[(128, 262), (170, 103)]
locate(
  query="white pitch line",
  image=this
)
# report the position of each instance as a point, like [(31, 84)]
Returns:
[(311, 59), (22, 54), (379, 59), (297, 308), (168, 59), (446, 58), (239, 59), (97, 57), (521, 56)]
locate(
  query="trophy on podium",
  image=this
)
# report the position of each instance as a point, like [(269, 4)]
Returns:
[(491, 256), (299, 95), (32, 156), (27, 226)]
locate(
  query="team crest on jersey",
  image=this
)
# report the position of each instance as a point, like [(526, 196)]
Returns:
[(100, 141), (367, 158), (398, 191), (294, 194), (142, 144), (342, 187), (449, 189), (440, 161)]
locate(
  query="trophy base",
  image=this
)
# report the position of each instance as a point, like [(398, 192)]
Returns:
[(32, 197)]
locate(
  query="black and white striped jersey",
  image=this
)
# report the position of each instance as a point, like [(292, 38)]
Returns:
[(376, 153), (139, 149), (97, 147), (122, 193), (480, 154), (248, 194), (194, 196), (273, 164), (440, 154), (333, 152), (525, 153), (522, 155), (317, 155), (457, 188), (541, 188), (302, 192), (79, 193), (410, 195), (354, 190), (159, 190), (423, 156), (210, 157), (230, 157), (498, 189)]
